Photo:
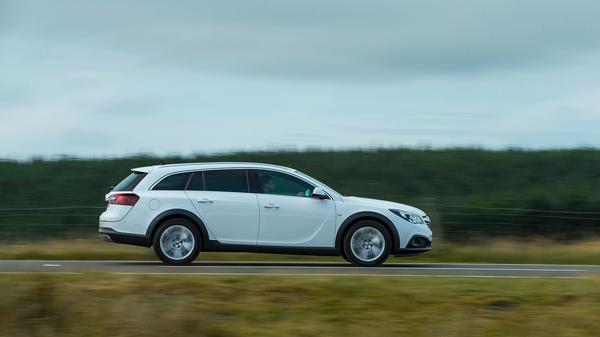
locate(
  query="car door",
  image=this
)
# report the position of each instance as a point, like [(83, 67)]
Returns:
[(289, 216), (223, 201)]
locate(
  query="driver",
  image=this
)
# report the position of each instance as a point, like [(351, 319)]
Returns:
[(267, 184)]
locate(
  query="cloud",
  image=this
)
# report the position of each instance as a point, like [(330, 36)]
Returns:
[(78, 76), (333, 40), (141, 107), (4, 16)]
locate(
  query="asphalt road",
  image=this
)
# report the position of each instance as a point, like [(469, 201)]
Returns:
[(305, 268)]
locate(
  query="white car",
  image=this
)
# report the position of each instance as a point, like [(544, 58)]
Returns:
[(182, 209)]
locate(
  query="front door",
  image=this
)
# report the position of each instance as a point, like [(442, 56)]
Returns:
[(289, 216)]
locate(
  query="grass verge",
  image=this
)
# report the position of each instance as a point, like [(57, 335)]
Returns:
[(586, 252), (175, 305)]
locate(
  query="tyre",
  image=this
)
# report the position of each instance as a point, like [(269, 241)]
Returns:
[(345, 256), (177, 241), (367, 243)]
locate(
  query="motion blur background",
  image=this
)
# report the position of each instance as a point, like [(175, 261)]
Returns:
[(484, 114), (470, 194)]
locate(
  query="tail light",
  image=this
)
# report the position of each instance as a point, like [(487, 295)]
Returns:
[(125, 199)]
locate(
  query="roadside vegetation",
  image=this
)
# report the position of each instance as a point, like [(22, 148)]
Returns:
[(175, 305), (471, 194), (494, 251)]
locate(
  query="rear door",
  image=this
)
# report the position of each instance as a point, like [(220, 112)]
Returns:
[(223, 201)]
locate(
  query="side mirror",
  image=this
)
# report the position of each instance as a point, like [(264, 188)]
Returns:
[(318, 193)]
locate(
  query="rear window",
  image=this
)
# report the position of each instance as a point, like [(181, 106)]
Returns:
[(175, 182), (226, 180), (129, 183)]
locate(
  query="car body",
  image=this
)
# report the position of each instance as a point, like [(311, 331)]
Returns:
[(182, 209)]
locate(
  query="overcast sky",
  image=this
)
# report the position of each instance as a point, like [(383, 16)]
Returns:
[(118, 77)]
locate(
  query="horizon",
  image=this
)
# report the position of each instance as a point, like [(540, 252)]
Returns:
[(59, 157)]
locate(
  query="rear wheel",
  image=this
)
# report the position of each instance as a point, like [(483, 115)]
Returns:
[(177, 241), (367, 243)]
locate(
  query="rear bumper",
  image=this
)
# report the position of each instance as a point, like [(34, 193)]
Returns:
[(111, 235)]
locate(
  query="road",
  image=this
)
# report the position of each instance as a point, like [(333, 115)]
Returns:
[(305, 268)]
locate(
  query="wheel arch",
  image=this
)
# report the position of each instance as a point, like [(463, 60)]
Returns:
[(178, 213), (362, 216)]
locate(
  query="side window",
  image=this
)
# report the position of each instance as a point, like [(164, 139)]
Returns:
[(175, 182), (270, 182), (226, 180), (196, 182)]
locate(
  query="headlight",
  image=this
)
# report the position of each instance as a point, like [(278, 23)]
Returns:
[(409, 216)]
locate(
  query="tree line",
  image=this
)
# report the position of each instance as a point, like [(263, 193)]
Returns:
[(470, 193)]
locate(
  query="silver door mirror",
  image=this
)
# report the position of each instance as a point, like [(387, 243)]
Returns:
[(318, 193)]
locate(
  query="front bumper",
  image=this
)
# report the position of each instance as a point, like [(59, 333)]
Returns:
[(418, 244), (111, 235)]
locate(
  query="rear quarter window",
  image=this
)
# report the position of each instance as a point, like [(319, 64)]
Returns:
[(130, 182), (175, 182)]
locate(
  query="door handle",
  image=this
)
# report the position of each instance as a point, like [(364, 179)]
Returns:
[(205, 201), (271, 205)]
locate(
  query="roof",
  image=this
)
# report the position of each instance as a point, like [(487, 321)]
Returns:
[(210, 165)]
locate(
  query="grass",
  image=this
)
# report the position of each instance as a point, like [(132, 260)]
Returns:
[(175, 305), (499, 251)]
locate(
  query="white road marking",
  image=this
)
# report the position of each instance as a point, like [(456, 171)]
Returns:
[(346, 264), (301, 268), (297, 274)]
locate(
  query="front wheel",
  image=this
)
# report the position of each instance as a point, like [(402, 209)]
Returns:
[(177, 241), (367, 243)]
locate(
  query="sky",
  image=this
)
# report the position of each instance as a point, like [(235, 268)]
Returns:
[(111, 78)]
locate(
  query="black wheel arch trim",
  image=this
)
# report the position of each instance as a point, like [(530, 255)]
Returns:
[(178, 213), (339, 237)]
